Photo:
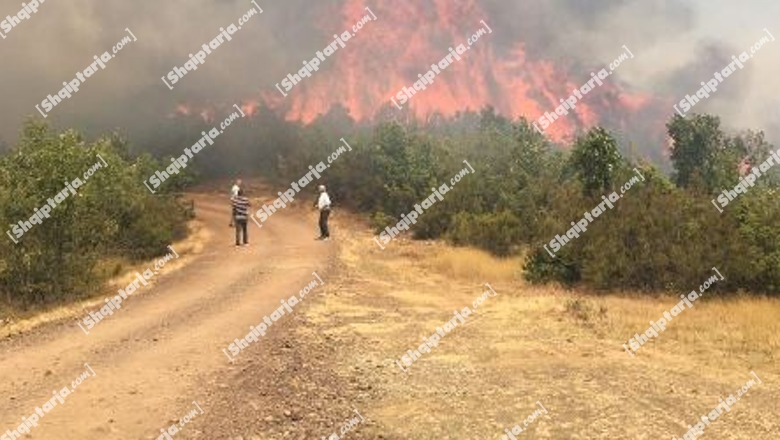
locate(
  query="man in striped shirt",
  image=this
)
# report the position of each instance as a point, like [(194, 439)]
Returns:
[(240, 216)]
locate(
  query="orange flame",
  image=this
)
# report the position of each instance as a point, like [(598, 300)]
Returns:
[(387, 54), (407, 37)]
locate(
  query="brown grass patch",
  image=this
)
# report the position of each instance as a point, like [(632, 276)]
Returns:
[(529, 343)]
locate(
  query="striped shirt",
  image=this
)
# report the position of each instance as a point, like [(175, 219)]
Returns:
[(240, 207)]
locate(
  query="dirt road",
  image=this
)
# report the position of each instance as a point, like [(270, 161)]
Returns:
[(150, 357)]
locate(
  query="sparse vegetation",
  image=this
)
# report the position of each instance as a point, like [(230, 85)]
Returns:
[(112, 216), (664, 232)]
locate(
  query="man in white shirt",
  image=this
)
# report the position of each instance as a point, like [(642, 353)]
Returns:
[(233, 194), (323, 204)]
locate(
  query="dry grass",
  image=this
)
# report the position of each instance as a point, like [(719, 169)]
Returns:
[(473, 265), (542, 343)]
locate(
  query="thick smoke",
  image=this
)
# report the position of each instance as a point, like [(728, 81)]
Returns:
[(62, 38), (577, 35)]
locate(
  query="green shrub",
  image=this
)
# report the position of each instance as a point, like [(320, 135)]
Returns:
[(497, 233), (112, 214)]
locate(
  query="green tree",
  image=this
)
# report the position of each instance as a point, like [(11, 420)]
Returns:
[(697, 146), (595, 159), (108, 213)]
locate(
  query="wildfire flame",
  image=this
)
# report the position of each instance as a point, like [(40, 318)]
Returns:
[(407, 37)]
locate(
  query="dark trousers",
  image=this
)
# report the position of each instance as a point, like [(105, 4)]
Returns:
[(324, 232), (241, 228)]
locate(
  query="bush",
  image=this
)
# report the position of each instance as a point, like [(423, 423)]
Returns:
[(497, 233), (663, 234), (110, 214)]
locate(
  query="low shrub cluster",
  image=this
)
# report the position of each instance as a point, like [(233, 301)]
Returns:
[(111, 216)]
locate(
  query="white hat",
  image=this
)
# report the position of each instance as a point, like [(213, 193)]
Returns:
[(321, 188)]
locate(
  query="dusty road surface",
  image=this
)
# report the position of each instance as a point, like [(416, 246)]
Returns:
[(150, 357), (526, 349)]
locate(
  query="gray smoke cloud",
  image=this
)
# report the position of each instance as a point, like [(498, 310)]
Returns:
[(672, 41), (62, 38)]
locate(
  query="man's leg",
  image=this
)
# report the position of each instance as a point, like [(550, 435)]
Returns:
[(322, 224), (325, 230), (243, 227), (238, 232)]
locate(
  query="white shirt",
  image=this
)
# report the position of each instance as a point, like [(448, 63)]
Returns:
[(234, 192), (324, 201)]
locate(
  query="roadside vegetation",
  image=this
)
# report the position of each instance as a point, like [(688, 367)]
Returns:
[(664, 234), (111, 220)]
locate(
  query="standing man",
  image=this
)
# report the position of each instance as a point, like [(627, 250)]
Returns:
[(323, 204), (233, 194), (240, 216)]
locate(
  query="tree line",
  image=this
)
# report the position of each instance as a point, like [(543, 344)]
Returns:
[(663, 234)]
